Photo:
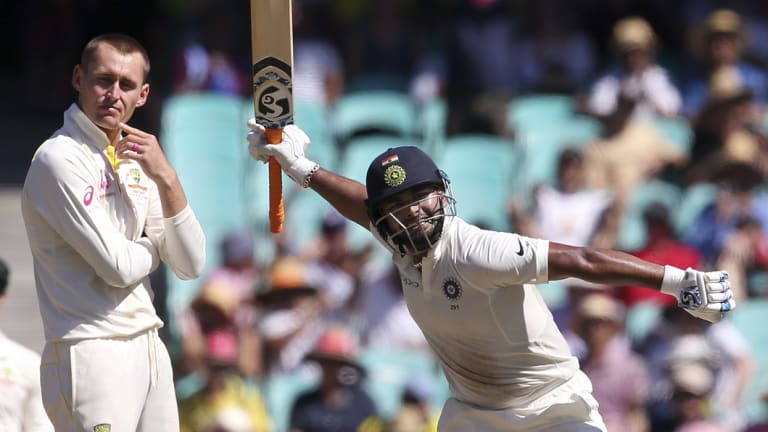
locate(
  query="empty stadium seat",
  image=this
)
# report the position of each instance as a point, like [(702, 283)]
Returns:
[(374, 110), (632, 231), (537, 110), (482, 171)]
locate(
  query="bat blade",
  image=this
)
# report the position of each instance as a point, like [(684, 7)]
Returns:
[(272, 52)]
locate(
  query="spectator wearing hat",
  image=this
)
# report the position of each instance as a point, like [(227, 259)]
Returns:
[(227, 402), (637, 77), (224, 303), (619, 376), (21, 403), (721, 43), (291, 319), (339, 403), (662, 245)]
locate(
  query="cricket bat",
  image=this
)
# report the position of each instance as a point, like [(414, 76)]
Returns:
[(272, 51)]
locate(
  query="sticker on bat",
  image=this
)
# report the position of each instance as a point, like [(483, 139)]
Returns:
[(272, 92)]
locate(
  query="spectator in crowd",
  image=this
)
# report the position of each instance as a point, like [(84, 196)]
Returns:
[(630, 152), (224, 304), (637, 76), (677, 340), (736, 203), (619, 377), (340, 403), (482, 47), (692, 384), (208, 63), (554, 55), (290, 323), (727, 130), (722, 48), (318, 70), (332, 268), (662, 246), (415, 413), (387, 323), (744, 251), (227, 402), (21, 404), (569, 212)]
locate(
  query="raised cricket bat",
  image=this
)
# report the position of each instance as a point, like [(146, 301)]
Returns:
[(272, 51)]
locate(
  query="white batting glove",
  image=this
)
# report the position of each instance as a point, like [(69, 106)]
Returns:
[(290, 153), (705, 295)]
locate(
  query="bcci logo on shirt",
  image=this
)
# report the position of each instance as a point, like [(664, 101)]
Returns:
[(452, 289)]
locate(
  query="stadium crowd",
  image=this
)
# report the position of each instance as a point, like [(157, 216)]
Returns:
[(311, 333)]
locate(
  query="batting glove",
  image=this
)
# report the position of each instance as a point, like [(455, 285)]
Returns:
[(290, 153), (705, 295)]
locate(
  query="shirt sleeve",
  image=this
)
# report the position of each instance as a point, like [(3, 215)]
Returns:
[(504, 259), (179, 239), (63, 191)]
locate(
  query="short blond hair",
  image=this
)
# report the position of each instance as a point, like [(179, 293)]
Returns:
[(122, 43)]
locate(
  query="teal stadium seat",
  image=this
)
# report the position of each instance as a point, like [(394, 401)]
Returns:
[(432, 121), (632, 229), (378, 110), (693, 201), (538, 110), (203, 138), (542, 146), (482, 171)]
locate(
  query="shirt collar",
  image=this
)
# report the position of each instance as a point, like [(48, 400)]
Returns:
[(95, 136)]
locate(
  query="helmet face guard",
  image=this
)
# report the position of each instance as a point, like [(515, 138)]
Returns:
[(403, 169), (420, 233)]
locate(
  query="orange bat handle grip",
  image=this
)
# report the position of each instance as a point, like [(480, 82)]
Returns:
[(276, 205)]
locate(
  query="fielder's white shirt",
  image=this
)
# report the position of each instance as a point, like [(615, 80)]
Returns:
[(96, 234), (489, 327), (21, 405)]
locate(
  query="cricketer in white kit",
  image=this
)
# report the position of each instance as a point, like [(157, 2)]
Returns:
[(98, 225), (473, 293)]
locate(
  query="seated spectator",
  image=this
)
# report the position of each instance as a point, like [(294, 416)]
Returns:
[(619, 376), (629, 152), (719, 347), (291, 320), (662, 247), (637, 76), (722, 48), (692, 384), (726, 131), (415, 413), (387, 324), (224, 304), (570, 212), (340, 403), (226, 402)]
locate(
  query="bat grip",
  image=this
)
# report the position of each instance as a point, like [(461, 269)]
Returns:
[(276, 205)]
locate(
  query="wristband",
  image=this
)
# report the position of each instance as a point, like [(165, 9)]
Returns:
[(301, 171), (672, 281)]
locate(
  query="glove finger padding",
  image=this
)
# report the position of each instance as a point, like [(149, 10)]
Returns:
[(709, 297)]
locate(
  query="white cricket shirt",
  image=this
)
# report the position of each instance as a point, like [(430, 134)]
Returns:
[(96, 233), (21, 405), (489, 327)]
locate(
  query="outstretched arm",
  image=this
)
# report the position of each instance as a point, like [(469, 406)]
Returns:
[(603, 266), (706, 295)]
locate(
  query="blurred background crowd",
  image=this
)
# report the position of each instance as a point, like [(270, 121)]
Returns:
[(632, 124)]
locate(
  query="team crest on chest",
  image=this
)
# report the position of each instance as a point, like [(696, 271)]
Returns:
[(452, 289)]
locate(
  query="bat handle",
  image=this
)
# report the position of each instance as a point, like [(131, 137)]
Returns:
[(276, 205)]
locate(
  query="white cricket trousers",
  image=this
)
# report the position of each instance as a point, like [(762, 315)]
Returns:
[(568, 408), (109, 385)]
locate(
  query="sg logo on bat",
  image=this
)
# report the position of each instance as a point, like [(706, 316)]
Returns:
[(272, 91)]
